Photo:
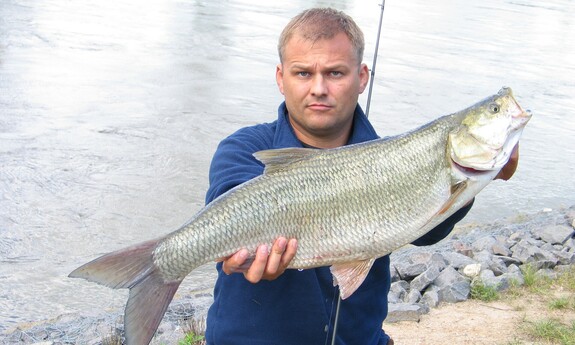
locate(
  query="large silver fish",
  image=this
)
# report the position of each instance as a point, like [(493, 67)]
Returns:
[(346, 207)]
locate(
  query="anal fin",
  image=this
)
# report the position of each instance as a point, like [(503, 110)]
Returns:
[(350, 275)]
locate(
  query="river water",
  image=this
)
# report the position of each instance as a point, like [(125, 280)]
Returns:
[(111, 110)]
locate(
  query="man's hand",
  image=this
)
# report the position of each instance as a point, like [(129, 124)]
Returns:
[(509, 169), (267, 265)]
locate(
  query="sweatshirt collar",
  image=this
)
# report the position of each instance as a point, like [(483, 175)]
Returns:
[(362, 130)]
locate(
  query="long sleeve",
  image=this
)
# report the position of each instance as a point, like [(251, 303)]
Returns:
[(442, 230), (234, 163)]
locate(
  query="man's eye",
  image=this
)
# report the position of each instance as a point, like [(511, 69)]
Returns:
[(302, 74), (336, 73)]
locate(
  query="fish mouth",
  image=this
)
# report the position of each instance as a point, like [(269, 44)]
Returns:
[(521, 120)]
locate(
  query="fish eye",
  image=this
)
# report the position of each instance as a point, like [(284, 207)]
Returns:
[(494, 107)]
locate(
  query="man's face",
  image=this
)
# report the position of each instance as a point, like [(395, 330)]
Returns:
[(321, 83)]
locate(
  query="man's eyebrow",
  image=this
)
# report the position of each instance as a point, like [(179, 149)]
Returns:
[(335, 66), (298, 65)]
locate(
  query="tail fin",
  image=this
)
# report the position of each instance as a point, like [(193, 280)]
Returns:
[(150, 295)]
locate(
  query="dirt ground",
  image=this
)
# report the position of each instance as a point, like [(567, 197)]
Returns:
[(474, 322)]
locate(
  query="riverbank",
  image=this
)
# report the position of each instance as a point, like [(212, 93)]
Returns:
[(427, 283)]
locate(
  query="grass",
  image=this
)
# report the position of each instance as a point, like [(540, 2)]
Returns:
[(192, 339), (194, 330), (558, 296), (561, 303), (552, 331), (483, 293)]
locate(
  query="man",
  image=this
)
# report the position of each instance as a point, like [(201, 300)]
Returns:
[(321, 75)]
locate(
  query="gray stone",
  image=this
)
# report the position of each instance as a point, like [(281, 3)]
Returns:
[(457, 292), (544, 264), (499, 283), (549, 247), (484, 243), (405, 312), (423, 280), (413, 296), (498, 266), (515, 275), (409, 271), (447, 277), (397, 291), (484, 257), (500, 249), (517, 236), (438, 261), (430, 298), (457, 260), (546, 273), (419, 258), (393, 298), (527, 251), (556, 234), (488, 279), (508, 260), (462, 248), (486, 274), (394, 274)]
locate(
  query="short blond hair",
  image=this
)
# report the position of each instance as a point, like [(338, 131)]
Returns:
[(322, 23)]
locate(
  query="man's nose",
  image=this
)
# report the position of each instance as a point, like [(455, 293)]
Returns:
[(319, 85)]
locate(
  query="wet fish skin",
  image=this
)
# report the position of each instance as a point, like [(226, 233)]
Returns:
[(346, 206)]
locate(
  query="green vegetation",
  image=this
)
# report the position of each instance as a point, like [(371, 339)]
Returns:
[(552, 331), (192, 339), (194, 330), (562, 303), (559, 297), (483, 293)]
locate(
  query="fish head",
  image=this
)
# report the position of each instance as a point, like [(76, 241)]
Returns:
[(488, 132)]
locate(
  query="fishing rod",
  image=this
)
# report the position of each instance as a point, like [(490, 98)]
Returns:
[(372, 76)]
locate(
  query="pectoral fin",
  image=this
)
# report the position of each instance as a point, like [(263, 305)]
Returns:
[(350, 275), (456, 192)]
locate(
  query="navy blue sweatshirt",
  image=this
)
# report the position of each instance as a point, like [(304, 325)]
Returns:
[(299, 306)]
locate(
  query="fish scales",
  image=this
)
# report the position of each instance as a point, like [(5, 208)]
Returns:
[(334, 202), (345, 206)]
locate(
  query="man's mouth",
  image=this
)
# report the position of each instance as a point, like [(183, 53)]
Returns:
[(319, 106)]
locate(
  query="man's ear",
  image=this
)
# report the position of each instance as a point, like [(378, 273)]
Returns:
[(363, 77), (280, 78)]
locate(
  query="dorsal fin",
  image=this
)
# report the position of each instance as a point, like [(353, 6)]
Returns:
[(280, 159)]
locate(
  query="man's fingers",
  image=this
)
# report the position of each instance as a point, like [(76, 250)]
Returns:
[(255, 272), (289, 253), (275, 257), (236, 262), (266, 264)]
